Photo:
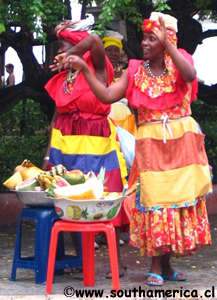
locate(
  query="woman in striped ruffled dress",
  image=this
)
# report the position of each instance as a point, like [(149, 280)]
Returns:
[(170, 173), (82, 135)]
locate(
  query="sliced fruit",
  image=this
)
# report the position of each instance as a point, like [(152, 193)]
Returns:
[(13, 181), (90, 189), (27, 185), (112, 195), (60, 182), (105, 194)]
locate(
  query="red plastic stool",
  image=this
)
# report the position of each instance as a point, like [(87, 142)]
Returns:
[(88, 231)]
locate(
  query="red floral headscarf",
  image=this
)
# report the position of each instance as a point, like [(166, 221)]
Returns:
[(152, 25)]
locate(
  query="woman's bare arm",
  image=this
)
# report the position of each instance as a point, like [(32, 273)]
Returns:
[(91, 43), (185, 68), (105, 94)]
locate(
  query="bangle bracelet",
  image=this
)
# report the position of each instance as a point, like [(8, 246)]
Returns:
[(46, 158), (69, 51)]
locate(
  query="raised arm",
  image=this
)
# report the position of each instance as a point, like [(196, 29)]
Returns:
[(185, 68), (105, 94), (91, 43)]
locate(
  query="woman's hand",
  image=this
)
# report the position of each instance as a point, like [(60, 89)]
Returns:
[(164, 37), (74, 62), (58, 62), (63, 25), (185, 68), (64, 61)]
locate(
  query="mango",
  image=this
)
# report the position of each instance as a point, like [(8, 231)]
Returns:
[(74, 177)]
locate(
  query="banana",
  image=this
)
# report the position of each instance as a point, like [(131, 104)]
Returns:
[(45, 180)]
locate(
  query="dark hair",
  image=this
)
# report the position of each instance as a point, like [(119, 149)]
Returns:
[(11, 66)]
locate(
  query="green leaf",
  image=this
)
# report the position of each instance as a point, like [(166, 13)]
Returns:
[(2, 28)]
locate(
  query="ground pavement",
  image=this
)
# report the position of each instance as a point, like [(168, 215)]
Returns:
[(201, 270)]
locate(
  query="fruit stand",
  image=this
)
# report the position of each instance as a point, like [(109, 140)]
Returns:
[(74, 195)]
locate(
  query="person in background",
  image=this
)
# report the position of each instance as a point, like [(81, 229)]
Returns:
[(170, 174), (10, 81), (2, 81), (82, 135), (120, 111)]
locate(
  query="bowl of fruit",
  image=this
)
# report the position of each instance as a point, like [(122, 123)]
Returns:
[(91, 210), (31, 183), (76, 196), (87, 201)]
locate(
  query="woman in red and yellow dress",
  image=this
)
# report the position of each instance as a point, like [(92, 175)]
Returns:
[(82, 135), (170, 173)]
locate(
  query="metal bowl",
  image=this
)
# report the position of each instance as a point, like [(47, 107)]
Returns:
[(87, 210), (35, 199)]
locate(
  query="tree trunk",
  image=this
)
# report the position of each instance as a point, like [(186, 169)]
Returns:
[(35, 76)]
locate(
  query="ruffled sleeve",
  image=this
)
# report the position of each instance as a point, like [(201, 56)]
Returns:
[(167, 99), (81, 98)]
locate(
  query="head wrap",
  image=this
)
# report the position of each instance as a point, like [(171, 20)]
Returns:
[(152, 25), (113, 38), (73, 37), (76, 31)]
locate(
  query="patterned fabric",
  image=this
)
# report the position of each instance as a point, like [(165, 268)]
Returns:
[(180, 110), (153, 26), (171, 166), (144, 91), (170, 22), (177, 231)]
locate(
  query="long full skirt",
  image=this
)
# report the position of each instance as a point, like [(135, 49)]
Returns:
[(171, 175)]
